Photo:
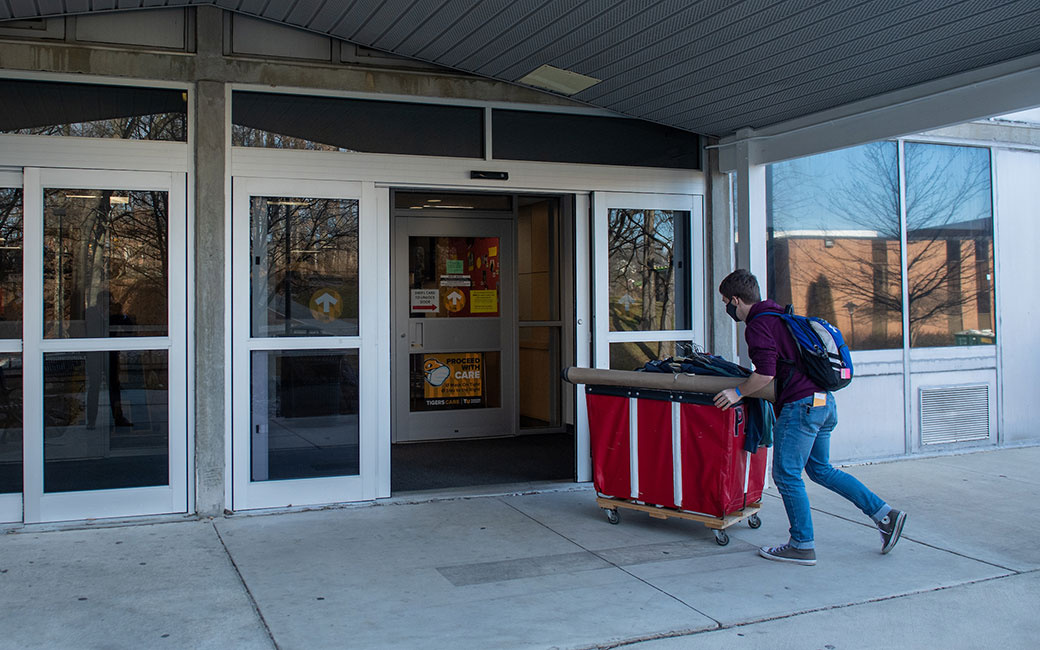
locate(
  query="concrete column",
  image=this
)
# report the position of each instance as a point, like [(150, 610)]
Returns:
[(751, 218), (721, 254), (210, 259)]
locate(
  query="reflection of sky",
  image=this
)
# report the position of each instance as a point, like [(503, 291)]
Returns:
[(946, 185), (850, 189), (856, 189)]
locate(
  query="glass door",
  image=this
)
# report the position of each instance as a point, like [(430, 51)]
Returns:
[(11, 238), (648, 252), (455, 328), (305, 307), (105, 344)]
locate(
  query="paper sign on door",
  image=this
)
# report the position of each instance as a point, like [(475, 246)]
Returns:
[(426, 300), (483, 301), (453, 380)]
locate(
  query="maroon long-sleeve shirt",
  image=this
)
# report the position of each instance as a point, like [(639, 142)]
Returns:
[(769, 341)]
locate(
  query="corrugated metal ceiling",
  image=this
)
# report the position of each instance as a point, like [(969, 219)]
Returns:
[(708, 66)]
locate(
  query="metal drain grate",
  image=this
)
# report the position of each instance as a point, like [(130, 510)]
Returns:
[(956, 414)]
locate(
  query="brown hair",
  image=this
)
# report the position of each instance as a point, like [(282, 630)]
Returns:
[(741, 284)]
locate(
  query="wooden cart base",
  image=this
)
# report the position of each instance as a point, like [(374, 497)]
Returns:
[(717, 524)]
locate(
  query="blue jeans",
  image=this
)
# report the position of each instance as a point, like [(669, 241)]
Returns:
[(802, 440)]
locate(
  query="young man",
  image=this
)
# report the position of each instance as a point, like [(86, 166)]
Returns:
[(806, 415)]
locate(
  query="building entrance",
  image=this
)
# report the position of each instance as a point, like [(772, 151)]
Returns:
[(454, 343), (477, 340)]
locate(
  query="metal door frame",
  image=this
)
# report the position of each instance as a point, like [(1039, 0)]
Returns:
[(373, 463), (62, 506)]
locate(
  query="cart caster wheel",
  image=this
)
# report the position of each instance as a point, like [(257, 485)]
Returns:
[(754, 521), (612, 516), (721, 537)]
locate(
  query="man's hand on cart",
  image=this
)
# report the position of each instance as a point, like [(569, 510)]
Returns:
[(727, 398)]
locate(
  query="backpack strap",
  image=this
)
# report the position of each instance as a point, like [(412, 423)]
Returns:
[(791, 364)]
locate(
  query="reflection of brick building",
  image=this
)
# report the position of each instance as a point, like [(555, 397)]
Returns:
[(851, 278)]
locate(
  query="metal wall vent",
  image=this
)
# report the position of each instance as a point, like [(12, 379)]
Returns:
[(956, 414)]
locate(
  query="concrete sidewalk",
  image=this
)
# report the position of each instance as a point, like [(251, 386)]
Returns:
[(546, 570)]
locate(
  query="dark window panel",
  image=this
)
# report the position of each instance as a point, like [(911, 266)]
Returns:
[(90, 110), (358, 125), (106, 421), (554, 137)]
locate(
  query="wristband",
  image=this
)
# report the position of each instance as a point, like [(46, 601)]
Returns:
[(738, 391)]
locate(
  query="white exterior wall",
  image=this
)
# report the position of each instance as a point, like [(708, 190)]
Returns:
[(871, 413), (1018, 268)]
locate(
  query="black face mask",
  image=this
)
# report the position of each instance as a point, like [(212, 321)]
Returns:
[(731, 309)]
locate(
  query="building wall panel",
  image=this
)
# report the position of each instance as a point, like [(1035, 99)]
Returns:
[(1018, 266)]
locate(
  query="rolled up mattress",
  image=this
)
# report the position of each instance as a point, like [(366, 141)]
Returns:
[(661, 381)]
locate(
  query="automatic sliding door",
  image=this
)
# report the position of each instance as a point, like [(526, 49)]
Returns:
[(302, 317), (105, 345)]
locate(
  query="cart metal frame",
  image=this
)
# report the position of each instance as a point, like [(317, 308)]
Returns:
[(718, 525)]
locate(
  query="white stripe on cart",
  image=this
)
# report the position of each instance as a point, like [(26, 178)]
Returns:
[(677, 453), (633, 444)]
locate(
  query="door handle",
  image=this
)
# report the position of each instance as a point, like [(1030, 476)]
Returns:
[(416, 342)]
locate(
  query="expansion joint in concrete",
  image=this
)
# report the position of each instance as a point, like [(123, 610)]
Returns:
[(245, 587)]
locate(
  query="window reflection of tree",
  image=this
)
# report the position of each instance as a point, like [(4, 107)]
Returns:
[(949, 240), (10, 263), (139, 263), (111, 244), (306, 244), (244, 136), (841, 221), (170, 127), (642, 267), (641, 256)]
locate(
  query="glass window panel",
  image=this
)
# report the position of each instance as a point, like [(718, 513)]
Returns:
[(634, 355), (355, 125), (304, 414), (105, 420), (94, 111), (454, 277), (455, 380), (536, 276), (649, 269), (105, 263), (10, 423), (305, 266), (10, 263), (949, 232), (833, 246)]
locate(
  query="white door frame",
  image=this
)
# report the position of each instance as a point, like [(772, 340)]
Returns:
[(89, 504), (372, 344)]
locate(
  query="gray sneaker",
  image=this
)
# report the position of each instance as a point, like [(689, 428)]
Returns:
[(788, 553), (891, 528)]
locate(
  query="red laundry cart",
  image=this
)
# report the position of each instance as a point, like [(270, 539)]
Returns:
[(673, 454)]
